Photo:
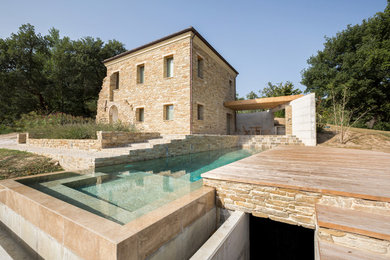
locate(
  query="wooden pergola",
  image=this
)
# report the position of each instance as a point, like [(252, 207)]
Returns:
[(261, 103)]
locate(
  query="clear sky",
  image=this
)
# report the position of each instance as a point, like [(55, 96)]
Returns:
[(264, 40)]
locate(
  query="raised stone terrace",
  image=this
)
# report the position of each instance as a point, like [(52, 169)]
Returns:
[(163, 146), (341, 193)]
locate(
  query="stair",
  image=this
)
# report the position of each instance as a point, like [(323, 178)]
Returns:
[(353, 234)]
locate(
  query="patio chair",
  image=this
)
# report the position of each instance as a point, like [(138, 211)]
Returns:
[(246, 132)]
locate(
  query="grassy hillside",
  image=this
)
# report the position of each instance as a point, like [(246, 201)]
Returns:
[(357, 138)]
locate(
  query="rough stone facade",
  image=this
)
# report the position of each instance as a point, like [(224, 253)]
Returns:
[(184, 90), (104, 140), (288, 119), (213, 89), (285, 205)]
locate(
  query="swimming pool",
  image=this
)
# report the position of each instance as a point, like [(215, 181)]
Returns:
[(125, 192)]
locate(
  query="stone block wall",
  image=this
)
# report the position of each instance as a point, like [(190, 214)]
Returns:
[(21, 138), (288, 119), (79, 144), (156, 91), (191, 144), (213, 89), (267, 141), (104, 140), (285, 205), (118, 139)]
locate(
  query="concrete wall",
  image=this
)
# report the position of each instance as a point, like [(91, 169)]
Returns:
[(230, 241), (264, 119), (192, 237), (304, 119)]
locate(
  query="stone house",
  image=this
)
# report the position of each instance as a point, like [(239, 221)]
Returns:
[(174, 85)]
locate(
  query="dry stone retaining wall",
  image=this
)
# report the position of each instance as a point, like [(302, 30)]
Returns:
[(104, 140), (285, 205)]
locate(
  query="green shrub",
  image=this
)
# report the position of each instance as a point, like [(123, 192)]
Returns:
[(63, 126), (77, 130)]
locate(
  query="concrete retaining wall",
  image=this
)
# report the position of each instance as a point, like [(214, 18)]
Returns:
[(230, 241), (304, 119)]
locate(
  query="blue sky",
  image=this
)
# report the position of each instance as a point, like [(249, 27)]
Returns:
[(264, 40)]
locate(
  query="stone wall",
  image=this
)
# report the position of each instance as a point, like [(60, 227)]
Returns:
[(351, 240), (191, 144), (104, 140), (21, 138), (267, 141), (215, 87), (118, 139), (288, 119), (79, 144), (284, 205), (184, 90), (156, 91)]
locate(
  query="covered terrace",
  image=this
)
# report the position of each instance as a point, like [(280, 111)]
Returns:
[(249, 120)]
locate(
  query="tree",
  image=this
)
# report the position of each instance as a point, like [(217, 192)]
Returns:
[(51, 74), (252, 95), (280, 89), (357, 58)]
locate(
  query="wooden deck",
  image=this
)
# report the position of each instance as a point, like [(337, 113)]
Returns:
[(336, 171)]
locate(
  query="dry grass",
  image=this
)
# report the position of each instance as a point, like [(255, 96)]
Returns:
[(17, 163), (357, 138)]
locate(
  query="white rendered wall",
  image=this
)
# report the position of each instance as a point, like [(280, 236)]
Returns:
[(304, 119)]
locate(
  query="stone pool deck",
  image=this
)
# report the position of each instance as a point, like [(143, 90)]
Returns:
[(343, 194)]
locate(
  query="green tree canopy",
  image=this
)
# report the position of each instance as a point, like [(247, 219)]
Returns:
[(280, 89), (357, 58), (51, 74)]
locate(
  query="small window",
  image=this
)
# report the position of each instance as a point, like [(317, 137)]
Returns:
[(116, 78), (168, 112), (200, 67), (140, 73), (230, 83), (200, 112), (169, 67), (140, 114)]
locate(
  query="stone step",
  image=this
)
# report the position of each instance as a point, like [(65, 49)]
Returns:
[(331, 251), (11, 247), (354, 221)]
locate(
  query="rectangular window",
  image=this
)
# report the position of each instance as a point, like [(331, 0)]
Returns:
[(169, 67), (200, 67), (116, 80), (230, 84), (140, 73), (200, 112), (140, 114), (168, 112)]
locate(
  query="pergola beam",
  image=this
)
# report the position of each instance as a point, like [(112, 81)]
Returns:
[(260, 103)]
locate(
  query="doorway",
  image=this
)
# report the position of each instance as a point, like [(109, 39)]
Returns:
[(276, 240), (228, 123), (113, 114)]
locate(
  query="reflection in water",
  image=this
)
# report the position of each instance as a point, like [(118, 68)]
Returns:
[(124, 192)]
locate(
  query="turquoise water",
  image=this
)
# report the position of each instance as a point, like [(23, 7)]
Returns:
[(125, 192)]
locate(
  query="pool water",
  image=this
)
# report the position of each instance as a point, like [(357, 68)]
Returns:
[(125, 192)]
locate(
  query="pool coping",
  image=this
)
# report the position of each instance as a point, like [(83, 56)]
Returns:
[(93, 237)]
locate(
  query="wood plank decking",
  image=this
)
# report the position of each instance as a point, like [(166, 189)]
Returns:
[(336, 171)]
